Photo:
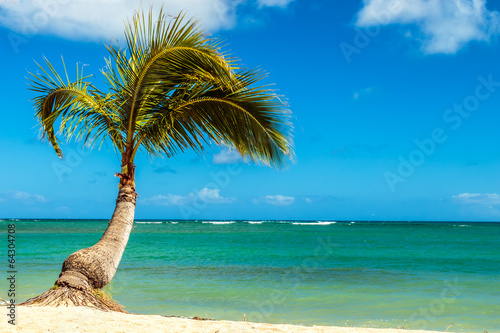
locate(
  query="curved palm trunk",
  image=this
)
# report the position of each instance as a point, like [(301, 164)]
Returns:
[(88, 270), (94, 267)]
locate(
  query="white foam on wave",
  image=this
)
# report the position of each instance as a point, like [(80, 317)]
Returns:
[(255, 222), (174, 222), (314, 223), (152, 222), (219, 222), (461, 225)]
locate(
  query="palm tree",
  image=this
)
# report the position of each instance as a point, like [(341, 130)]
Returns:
[(171, 88)]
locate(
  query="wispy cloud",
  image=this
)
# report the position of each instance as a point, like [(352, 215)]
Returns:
[(24, 197), (227, 156), (486, 199), (63, 209), (164, 169), (168, 200), (479, 205), (276, 200), (206, 195), (441, 26), (103, 20), (271, 3), (363, 92)]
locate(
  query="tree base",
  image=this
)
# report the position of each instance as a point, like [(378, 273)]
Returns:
[(68, 296)]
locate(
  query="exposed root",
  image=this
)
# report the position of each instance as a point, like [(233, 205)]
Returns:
[(67, 296)]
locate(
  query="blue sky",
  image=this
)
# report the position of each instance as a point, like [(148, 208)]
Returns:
[(396, 109)]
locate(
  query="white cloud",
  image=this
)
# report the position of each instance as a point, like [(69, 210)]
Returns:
[(63, 209), (486, 199), (443, 26), (24, 197), (227, 156), (276, 200), (213, 196), (270, 3), (205, 195), (168, 200), (363, 92), (103, 20)]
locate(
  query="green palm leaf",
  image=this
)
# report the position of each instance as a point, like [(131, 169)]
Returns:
[(171, 88), (82, 109)]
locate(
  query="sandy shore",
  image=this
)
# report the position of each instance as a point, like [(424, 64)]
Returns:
[(81, 319)]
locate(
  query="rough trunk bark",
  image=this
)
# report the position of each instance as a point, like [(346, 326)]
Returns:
[(94, 267), (88, 270)]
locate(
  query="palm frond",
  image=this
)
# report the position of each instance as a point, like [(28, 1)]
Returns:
[(171, 88), (80, 108), (251, 119), (160, 57)]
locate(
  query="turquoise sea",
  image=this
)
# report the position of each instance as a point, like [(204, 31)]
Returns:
[(420, 275)]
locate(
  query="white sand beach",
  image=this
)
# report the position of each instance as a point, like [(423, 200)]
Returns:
[(83, 319)]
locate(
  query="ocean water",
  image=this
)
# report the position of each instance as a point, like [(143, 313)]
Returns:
[(365, 274)]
